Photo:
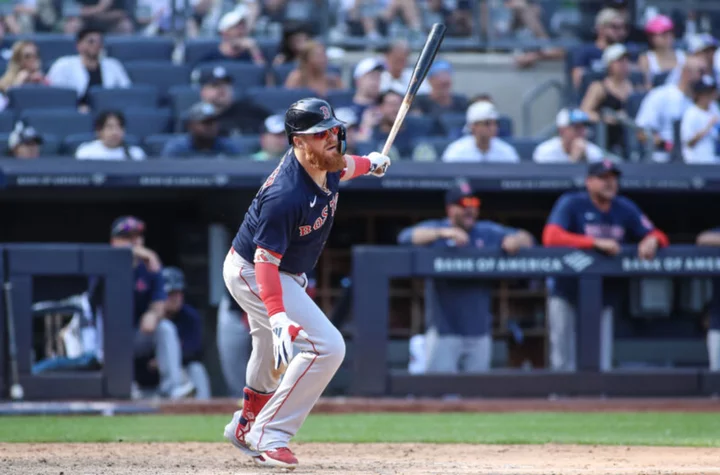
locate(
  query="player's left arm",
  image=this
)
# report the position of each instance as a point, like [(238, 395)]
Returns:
[(374, 164), (156, 310), (709, 238), (516, 239), (640, 226)]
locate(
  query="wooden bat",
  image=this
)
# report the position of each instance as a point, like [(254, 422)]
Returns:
[(422, 66)]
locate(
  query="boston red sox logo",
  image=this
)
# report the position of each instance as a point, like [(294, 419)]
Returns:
[(325, 111)]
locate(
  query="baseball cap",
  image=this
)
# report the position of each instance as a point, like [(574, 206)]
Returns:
[(461, 193), (440, 66), (603, 168), (698, 43), (347, 115), (480, 111), (173, 279), (706, 83), (127, 226), (200, 112), (368, 65), (232, 18), (659, 24), (613, 53), (607, 15), (275, 124), (571, 117), (23, 134), (213, 75)]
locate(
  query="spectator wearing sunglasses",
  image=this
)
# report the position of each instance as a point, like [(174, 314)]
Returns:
[(203, 137), (24, 67), (458, 312)]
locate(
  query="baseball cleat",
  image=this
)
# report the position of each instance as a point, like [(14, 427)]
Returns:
[(281, 458), (242, 421), (233, 429)]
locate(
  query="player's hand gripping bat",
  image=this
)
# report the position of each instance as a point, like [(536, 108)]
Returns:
[(422, 66)]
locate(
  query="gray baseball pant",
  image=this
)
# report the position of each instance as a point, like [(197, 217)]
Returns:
[(234, 346), (713, 346), (445, 353), (197, 374), (164, 343), (562, 320)]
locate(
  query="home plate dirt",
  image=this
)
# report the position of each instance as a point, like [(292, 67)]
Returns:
[(351, 459)]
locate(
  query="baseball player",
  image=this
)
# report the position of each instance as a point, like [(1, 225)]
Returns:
[(279, 241), (594, 219), (457, 314), (712, 238)]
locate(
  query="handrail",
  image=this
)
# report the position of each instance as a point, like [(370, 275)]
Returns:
[(628, 122), (533, 95)]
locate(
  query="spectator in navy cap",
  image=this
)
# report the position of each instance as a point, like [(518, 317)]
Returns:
[(202, 137), (458, 311), (273, 141), (24, 142), (235, 116), (441, 98), (699, 126)]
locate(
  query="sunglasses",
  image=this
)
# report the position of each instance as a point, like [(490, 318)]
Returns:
[(29, 56), (323, 135), (469, 202)]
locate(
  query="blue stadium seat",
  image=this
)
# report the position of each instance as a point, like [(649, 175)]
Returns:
[(59, 122), (7, 121), (505, 126), (244, 75), (632, 106), (154, 144), (53, 46), (72, 142), (135, 48), (525, 146), (420, 126), (143, 122), (182, 97), (282, 71), (438, 144), (162, 75), (341, 98), (197, 49), (122, 98), (248, 144), (42, 97), (269, 47), (452, 124), (277, 99)]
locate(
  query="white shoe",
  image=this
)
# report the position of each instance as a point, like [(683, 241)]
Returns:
[(186, 389), (230, 434)]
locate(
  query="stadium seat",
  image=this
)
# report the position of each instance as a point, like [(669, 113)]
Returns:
[(277, 99), (452, 124), (154, 144), (59, 122), (269, 48), (197, 49), (282, 71), (525, 146), (181, 98), (42, 97), (244, 75), (421, 126), (122, 98), (72, 142), (429, 148), (505, 126), (341, 98), (143, 122), (248, 144), (162, 75), (53, 46), (7, 121), (135, 48)]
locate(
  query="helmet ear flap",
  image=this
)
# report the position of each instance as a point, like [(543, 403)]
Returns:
[(342, 140)]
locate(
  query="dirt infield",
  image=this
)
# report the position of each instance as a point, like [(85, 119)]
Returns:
[(342, 405), (355, 459)]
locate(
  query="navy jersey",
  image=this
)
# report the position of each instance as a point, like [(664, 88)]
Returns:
[(460, 306), (290, 215), (576, 213), (148, 289), (189, 328)]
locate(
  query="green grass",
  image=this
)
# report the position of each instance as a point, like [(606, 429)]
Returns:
[(681, 429)]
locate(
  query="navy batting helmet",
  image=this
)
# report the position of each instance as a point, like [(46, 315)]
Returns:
[(310, 116), (173, 279)]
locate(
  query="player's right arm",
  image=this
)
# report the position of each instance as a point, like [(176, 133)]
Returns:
[(556, 232), (709, 238)]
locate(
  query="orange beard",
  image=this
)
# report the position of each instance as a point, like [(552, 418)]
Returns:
[(328, 161)]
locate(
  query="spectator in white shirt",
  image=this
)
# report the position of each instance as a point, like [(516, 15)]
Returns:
[(397, 74), (571, 144), (482, 145), (698, 129), (666, 104), (110, 145)]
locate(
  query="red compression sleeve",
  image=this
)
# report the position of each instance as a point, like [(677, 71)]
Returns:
[(556, 236), (361, 165), (267, 275), (662, 238)]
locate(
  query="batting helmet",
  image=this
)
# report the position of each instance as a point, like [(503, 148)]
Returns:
[(310, 116), (173, 279)]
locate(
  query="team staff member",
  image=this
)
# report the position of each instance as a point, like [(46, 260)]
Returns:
[(712, 238), (457, 311), (596, 219)]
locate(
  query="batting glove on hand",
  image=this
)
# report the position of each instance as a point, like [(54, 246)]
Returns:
[(284, 331), (379, 164)]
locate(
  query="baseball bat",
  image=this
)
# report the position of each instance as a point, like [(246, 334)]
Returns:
[(16, 390), (422, 66)]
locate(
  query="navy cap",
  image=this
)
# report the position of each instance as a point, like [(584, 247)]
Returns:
[(214, 75), (200, 112), (603, 168), (459, 191), (173, 279), (127, 226)]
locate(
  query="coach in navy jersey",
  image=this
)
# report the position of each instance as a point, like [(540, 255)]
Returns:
[(596, 219), (712, 238), (457, 311)]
